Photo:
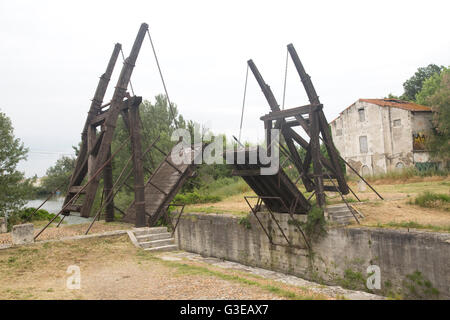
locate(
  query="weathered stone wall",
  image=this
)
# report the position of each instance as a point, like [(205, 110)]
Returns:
[(3, 227), (342, 256), (389, 137)]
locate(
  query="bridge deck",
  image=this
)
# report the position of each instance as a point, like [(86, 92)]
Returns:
[(277, 191), (163, 185)]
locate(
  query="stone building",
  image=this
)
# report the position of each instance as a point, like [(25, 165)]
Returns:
[(379, 135)]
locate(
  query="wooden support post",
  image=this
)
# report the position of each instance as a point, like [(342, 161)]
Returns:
[(108, 186), (136, 147), (315, 156), (91, 139), (113, 114), (268, 127), (81, 165)]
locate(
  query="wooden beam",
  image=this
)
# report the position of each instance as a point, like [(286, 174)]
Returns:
[(136, 147), (287, 132), (80, 164), (113, 113), (282, 114), (315, 157), (107, 189)]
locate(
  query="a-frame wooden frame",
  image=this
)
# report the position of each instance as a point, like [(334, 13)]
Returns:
[(314, 125)]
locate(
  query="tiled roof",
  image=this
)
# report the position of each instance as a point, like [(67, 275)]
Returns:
[(395, 103), (411, 106)]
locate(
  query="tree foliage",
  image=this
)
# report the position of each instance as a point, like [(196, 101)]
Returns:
[(430, 86), (436, 94), (58, 176), (13, 185), (413, 85)]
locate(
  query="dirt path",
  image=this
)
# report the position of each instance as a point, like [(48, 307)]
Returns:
[(114, 269)]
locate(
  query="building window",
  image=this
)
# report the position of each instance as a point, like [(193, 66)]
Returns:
[(338, 132), (363, 144), (397, 123), (362, 116)]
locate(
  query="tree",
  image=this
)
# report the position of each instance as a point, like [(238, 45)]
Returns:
[(413, 85), (436, 94), (13, 185), (58, 176), (429, 87)]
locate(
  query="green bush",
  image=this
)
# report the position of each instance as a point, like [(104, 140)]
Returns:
[(26, 215), (315, 225), (433, 200), (195, 197)]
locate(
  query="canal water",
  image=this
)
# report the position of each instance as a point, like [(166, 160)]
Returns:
[(54, 205)]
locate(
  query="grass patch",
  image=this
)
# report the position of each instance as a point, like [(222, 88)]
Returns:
[(433, 200), (419, 287), (195, 197), (413, 225), (214, 192), (352, 280)]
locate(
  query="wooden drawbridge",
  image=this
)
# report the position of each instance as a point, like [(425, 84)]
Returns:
[(164, 184)]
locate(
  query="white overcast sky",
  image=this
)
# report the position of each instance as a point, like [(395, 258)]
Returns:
[(52, 53)]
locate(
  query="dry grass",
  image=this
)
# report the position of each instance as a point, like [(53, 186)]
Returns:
[(114, 269), (395, 209), (233, 205), (69, 230)]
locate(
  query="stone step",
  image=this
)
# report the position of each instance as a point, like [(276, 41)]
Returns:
[(342, 219), (146, 230), (334, 206), (340, 209), (157, 243), (151, 237), (170, 247), (340, 214)]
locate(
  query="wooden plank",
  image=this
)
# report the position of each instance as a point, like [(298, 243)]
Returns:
[(75, 189), (282, 114)]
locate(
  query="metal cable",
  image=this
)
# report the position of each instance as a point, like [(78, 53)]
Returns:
[(243, 103), (162, 79), (285, 78)]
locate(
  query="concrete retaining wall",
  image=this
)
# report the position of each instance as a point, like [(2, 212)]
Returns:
[(341, 257)]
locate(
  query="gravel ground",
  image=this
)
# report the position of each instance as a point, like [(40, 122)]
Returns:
[(112, 268)]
